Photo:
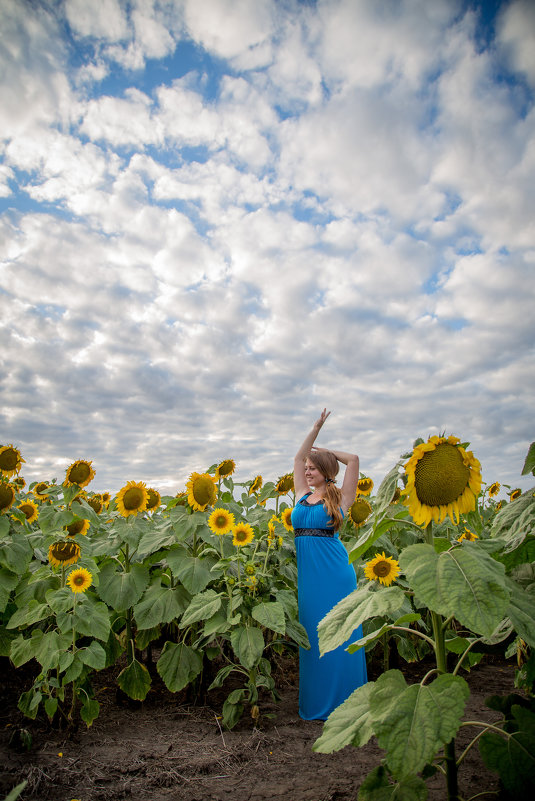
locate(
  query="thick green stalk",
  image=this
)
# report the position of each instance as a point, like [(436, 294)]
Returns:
[(440, 654)]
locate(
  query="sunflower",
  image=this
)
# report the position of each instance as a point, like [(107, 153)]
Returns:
[(499, 506), (285, 484), (224, 469), (132, 498), (468, 535), (202, 491), (40, 491), (382, 568), (30, 510), (182, 498), (359, 511), (396, 496), (256, 485), (442, 479), (364, 486), (7, 495), (494, 489), (242, 534), (155, 500), (106, 498), (514, 494), (96, 503), (10, 460), (79, 580), (251, 582), (286, 518), (78, 527), (79, 473), (63, 553), (19, 483), (221, 521)]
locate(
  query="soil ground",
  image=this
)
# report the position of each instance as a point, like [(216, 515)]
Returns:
[(166, 749)]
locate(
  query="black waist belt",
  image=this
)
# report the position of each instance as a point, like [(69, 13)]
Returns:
[(314, 532)]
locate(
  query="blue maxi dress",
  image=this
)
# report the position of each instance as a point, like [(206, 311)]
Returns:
[(324, 577)]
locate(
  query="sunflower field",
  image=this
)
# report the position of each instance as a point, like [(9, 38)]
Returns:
[(206, 581)]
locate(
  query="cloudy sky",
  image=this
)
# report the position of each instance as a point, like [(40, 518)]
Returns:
[(220, 216)]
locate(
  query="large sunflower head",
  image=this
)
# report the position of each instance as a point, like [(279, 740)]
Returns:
[(256, 485), (96, 503), (242, 535), (78, 527), (63, 553), (364, 486), (286, 518), (493, 489), (155, 500), (224, 469), (79, 580), (40, 491), (10, 460), (7, 495), (382, 568), (79, 473), (30, 509), (132, 498), (359, 511), (442, 479), (285, 484), (221, 521), (202, 491)]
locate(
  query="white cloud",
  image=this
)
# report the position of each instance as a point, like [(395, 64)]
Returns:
[(103, 19), (516, 33)]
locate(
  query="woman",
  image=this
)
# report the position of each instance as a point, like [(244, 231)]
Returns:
[(324, 575)]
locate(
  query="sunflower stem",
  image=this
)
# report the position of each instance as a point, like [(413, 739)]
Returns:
[(441, 660)]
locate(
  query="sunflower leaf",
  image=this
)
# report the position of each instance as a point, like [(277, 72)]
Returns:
[(202, 606), (376, 787), (349, 723), (89, 711), (135, 680), (521, 612), (513, 756), (360, 605), (464, 581), (270, 615), (160, 605), (16, 554), (386, 490), (121, 590), (193, 571), (413, 722), (529, 464), (248, 645), (178, 665)]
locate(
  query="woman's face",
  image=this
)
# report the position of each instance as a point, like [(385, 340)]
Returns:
[(313, 476)]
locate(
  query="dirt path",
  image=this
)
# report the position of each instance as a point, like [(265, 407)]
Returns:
[(166, 750)]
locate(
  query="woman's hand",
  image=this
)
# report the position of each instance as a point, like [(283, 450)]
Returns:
[(321, 419)]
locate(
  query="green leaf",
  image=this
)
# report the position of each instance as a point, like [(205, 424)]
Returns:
[(160, 605), (360, 605), (22, 650), (51, 648), (89, 617), (6, 638), (74, 670), (289, 601), (51, 706), (464, 582), (4, 525), (135, 680), (29, 703), (32, 613), (93, 655), (178, 665), (529, 464), (89, 711), (386, 490), (201, 607), (122, 590), (413, 722), (248, 645), (297, 633), (376, 787), (521, 612), (16, 554), (368, 638), (153, 540), (270, 615), (193, 571), (349, 724), (16, 791), (8, 582), (513, 756)]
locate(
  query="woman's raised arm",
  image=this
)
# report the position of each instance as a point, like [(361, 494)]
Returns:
[(300, 482)]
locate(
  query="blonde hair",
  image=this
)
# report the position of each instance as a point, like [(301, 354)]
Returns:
[(327, 464)]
